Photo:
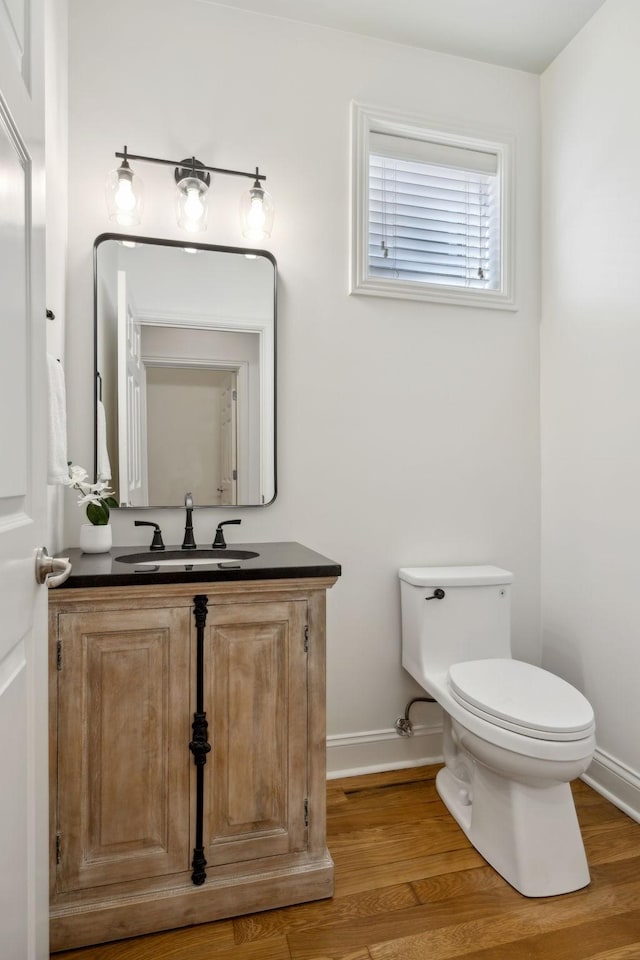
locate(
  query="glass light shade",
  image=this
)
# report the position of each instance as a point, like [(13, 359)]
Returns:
[(256, 213), (123, 192), (191, 204)]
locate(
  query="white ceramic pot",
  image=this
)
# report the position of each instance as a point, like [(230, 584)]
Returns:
[(95, 539)]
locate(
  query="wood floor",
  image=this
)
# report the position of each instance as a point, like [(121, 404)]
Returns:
[(410, 887)]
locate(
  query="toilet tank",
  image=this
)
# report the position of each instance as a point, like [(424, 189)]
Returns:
[(471, 622)]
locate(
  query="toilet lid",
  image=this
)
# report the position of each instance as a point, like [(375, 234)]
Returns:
[(522, 698)]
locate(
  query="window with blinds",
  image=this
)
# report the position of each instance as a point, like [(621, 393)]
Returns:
[(434, 213), (431, 217)]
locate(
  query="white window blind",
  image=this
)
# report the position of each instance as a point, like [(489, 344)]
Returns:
[(434, 213)]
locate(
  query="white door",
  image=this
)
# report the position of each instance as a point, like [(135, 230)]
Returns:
[(132, 417), (228, 443), (23, 444)]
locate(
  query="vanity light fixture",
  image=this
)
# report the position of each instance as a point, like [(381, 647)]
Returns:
[(123, 191), (191, 196), (256, 212), (124, 195)]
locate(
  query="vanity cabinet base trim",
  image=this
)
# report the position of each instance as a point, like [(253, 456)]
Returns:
[(117, 918)]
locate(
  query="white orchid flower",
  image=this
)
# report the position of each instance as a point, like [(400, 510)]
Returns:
[(98, 494), (102, 488), (77, 474), (89, 497)]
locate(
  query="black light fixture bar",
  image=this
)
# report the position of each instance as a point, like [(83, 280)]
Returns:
[(198, 166)]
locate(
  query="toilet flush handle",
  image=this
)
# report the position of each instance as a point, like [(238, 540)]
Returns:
[(438, 594)]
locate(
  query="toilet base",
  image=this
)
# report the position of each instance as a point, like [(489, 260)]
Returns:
[(528, 833)]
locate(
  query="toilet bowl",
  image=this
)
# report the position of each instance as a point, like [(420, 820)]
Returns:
[(514, 735)]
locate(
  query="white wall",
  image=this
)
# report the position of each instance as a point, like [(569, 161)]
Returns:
[(408, 433), (590, 383)]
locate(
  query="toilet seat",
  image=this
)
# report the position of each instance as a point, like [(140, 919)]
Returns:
[(522, 698)]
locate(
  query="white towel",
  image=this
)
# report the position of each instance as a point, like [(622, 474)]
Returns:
[(104, 466), (57, 466)]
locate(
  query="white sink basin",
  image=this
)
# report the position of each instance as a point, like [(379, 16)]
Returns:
[(187, 558), (194, 562)]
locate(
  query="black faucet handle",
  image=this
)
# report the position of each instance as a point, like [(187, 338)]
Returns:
[(219, 538), (156, 543)]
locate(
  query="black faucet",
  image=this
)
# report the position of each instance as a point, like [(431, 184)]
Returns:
[(219, 541), (188, 543)]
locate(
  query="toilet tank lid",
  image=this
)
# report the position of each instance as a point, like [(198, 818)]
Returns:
[(463, 576)]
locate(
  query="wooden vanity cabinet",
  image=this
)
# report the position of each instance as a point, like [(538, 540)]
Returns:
[(124, 794)]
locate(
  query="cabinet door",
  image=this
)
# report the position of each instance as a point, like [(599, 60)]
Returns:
[(256, 702), (123, 735)]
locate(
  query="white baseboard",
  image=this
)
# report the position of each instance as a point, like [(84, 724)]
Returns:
[(373, 751), (615, 782)]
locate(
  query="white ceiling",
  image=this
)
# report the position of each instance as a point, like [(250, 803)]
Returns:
[(524, 34)]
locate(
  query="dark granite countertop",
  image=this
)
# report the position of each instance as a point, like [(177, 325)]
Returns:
[(275, 561)]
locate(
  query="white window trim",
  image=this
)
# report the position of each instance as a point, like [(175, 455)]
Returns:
[(364, 119)]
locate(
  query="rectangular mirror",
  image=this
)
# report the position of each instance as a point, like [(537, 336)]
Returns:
[(185, 372)]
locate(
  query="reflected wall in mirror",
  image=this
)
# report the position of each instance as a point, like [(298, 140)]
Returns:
[(185, 372)]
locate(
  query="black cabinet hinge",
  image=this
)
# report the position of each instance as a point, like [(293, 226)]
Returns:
[(306, 638), (58, 847), (306, 812), (59, 655)]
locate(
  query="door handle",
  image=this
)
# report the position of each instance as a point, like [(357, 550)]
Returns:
[(51, 571)]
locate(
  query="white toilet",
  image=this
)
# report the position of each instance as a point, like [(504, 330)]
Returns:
[(514, 734)]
